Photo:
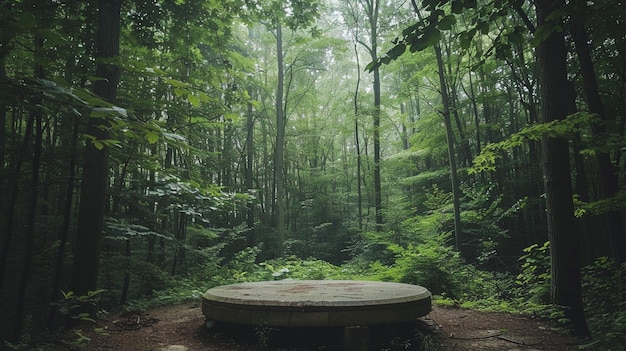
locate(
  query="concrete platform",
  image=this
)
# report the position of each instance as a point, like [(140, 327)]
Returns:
[(317, 303)]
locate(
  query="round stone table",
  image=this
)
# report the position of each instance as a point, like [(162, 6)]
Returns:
[(354, 305)]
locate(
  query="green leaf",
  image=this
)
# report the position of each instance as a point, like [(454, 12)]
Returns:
[(97, 144), (180, 92), (172, 136), (484, 27), (108, 112), (176, 83), (396, 51), (51, 36), (516, 36), (432, 35), (447, 22), (194, 100), (465, 39), (152, 137), (95, 79), (372, 65)]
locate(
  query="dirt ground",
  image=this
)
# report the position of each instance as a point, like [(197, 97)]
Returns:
[(181, 328)]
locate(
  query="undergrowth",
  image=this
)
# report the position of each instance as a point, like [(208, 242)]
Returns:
[(438, 267)]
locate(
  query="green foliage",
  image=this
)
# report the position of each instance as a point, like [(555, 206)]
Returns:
[(534, 278), (601, 206), (432, 264), (75, 306), (292, 267), (604, 287), (603, 295), (185, 289), (566, 128), (482, 216), (243, 268)]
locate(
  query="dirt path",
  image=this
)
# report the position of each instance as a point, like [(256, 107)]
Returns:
[(181, 328)]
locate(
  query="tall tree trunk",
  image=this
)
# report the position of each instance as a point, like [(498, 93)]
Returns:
[(126, 284), (372, 11), (279, 161), (465, 153), (95, 162), (458, 235), (358, 144), (29, 227), (249, 174), (64, 229), (564, 246), (378, 197), (3, 137), (14, 186), (586, 232), (609, 185), (22, 292)]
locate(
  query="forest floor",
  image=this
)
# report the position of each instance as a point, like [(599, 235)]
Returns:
[(181, 328)]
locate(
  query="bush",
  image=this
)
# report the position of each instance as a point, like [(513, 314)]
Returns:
[(604, 287), (534, 279), (294, 268)]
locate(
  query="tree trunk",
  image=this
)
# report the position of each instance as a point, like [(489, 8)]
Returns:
[(29, 223), (95, 164), (358, 144), (3, 137), (371, 9), (250, 237), (609, 185), (564, 245), (17, 161), (279, 161), (458, 235), (64, 229), (126, 284)]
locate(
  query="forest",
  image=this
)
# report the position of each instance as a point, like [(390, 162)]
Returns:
[(152, 149)]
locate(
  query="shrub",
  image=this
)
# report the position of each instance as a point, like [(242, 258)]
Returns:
[(605, 304), (534, 279)]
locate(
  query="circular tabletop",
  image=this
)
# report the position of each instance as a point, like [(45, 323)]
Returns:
[(316, 303)]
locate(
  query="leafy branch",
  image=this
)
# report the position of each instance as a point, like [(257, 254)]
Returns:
[(574, 123)]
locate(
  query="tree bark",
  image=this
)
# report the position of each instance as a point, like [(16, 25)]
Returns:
[(458, 235), (279, 176), (357, 143), (249, 174), (371, 9), (31, 216), (64, 229), (95, 164), (564, 245), (609, 185), (3, 136)]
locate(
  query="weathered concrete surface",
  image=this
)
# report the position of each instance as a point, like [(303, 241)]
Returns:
[(316, 303)]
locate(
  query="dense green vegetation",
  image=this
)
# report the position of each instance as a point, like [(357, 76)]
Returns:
[(151, 149)]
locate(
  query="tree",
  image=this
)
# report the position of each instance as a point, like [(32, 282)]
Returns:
[(276, 15), (93, 195), (609, 183), (371, 9), (443, 90), (551, 54), (566, 288)]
